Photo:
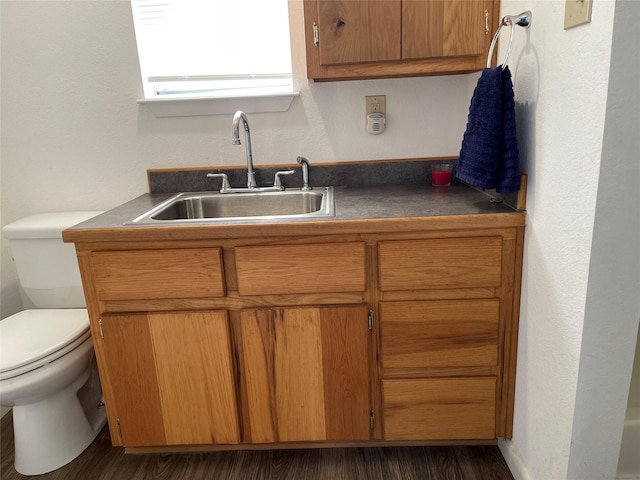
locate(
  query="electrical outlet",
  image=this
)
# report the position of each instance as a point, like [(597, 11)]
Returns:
[(576, 12), (375, 104)]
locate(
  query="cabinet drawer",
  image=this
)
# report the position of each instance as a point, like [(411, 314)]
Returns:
[(291, 269), (149, 274), (442, 333), (439, 409), (440, 263)]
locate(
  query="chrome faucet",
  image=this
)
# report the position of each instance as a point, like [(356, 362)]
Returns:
[(305, 172), (235, 140)]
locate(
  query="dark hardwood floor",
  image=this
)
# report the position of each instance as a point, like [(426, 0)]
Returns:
[(102, 461)]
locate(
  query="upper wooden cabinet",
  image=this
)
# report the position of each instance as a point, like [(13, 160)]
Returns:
[(353, 39)]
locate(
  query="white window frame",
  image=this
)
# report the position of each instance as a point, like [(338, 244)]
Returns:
[(191, 91)]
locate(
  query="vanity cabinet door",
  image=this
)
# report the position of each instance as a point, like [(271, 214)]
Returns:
[(172, 378), (307, 373)]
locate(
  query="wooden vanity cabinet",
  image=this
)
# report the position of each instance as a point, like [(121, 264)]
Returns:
[(338, 338), (352, 39)]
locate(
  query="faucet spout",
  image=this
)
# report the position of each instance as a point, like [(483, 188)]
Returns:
[(235, 140), (305, 172)]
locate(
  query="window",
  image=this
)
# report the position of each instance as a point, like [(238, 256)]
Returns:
[(213, 48)]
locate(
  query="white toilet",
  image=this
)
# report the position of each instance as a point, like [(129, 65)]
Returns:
[(48, 372)]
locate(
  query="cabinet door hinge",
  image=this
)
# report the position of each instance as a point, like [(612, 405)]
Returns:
[(101, 330), (372, 420), (486, 22), (316, 34), (119, 428), (370, 321)]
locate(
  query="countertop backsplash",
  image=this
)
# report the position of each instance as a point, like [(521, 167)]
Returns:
[(349, 174)]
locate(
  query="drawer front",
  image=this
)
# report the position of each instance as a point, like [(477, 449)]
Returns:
[(440, 263), (442, 333), (292, 269), (149, 274), (439, 409)]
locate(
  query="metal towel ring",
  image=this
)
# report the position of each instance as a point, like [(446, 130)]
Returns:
[(522, 20)]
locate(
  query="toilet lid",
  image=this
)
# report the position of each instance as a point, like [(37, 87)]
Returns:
[(32, 335)]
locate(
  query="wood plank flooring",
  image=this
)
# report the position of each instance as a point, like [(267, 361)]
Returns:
[(102, 461)]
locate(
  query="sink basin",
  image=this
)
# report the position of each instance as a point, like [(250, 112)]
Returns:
[(214, 206)]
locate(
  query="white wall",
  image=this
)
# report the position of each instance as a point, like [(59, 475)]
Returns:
[(628, 95), (612, 308), (73, 136), (568, 414)]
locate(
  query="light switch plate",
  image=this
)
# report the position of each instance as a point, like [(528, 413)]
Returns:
[(577, 12)]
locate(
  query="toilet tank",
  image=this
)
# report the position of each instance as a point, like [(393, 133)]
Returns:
[(47, 267)]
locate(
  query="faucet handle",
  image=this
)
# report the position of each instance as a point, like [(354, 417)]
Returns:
[(277, 182), (225, 180)]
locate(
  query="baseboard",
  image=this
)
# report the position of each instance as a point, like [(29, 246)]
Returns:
[(514, 460)]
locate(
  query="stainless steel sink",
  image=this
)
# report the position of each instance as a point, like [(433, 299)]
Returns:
[(224, 207)]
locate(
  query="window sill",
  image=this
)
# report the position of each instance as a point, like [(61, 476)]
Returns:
[(193, 107)]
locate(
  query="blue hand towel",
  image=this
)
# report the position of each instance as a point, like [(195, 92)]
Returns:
[(489, 157)]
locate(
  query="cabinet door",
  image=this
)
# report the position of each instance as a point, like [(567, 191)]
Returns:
[(354, 31), (172, 378), (307, 373), (442, 28)]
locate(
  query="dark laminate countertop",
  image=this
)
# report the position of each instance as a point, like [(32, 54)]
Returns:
[(357, 210)]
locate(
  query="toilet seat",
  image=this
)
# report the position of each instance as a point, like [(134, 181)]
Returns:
[(33, 338)]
